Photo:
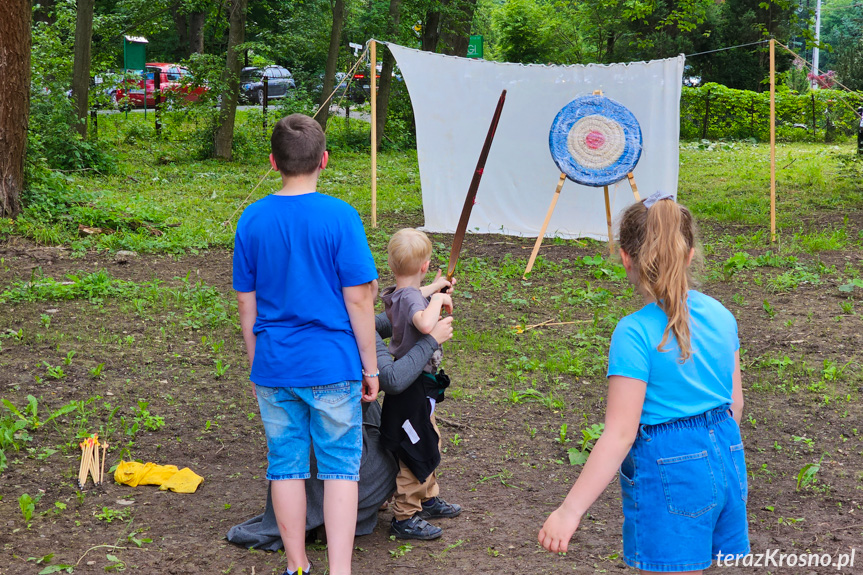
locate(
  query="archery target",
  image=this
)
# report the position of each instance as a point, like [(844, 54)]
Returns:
[(595, 141)]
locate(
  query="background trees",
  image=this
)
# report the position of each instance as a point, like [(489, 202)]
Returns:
[(311, 37)]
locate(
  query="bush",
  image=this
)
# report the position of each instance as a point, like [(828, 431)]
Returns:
[(714, 111)]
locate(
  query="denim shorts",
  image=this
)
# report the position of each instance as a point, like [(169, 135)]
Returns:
[(327, 416), (684, 494)]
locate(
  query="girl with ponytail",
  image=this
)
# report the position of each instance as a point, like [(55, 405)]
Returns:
[(674, 404)]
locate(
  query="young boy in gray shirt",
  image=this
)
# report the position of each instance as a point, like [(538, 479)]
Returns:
[(407, 422)]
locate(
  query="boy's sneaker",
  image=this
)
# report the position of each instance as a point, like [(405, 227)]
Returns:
[(414, 528), (436, 508), (305, 571)]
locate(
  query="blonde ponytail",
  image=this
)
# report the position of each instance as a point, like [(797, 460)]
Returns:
[(659, 241)]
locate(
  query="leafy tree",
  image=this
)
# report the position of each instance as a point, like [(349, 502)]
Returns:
[(524, 31)]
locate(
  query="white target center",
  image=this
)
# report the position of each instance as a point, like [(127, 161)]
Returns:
[(596, 142)]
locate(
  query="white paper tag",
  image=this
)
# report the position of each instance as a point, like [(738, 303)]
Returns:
[(412, 434), (432, 403)]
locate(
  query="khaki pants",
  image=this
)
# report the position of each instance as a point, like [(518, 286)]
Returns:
[(410, 493)]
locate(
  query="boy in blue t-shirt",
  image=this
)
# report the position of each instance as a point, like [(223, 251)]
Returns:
[(306, 283)]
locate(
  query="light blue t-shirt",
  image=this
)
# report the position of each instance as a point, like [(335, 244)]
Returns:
[(676, 390), (296, 253)]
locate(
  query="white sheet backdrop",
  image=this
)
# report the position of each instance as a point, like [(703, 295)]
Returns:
[(454, 99)]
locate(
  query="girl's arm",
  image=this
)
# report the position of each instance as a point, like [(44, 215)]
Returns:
[(625, 400), (737, 390)]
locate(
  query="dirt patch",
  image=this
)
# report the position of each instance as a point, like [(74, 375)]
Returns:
[(504, 462)]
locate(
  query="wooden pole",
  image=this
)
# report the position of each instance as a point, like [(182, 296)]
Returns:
[(772, 140), (104, 454), (544, 225), (95, 468), (374, 99), (608, 220), (632, 185)]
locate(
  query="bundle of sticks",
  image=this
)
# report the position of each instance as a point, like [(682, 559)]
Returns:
[(90, 460)]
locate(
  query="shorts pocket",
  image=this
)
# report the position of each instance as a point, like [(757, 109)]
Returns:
[(688, 483), (627, 471), (333, 393), (739, 459), (265, 392)]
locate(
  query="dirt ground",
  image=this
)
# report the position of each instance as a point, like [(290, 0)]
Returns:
[(506, 479)]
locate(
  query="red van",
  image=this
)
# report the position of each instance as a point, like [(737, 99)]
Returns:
[(173, 78)]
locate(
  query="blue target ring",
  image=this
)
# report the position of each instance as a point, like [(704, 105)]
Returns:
[(595, 141)]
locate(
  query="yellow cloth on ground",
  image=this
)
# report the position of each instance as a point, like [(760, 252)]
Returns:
[(133, 474), (184, 481)]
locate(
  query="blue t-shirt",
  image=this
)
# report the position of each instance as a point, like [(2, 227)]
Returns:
[(296, 253), (676, 390)]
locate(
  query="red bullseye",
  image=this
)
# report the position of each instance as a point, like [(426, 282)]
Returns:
[(594, 140)]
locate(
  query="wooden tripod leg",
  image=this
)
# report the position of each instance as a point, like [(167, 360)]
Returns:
[(608, 219), (633, 186), (544, 225)]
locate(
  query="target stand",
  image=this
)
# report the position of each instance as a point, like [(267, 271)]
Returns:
[(595, 142)]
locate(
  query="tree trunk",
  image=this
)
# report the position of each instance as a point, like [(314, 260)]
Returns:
[(224, 136), (14, 101), (387, 64), (196, 32), (431, 31), (81, 63), (181, 24), (332, 61), (190, 31), (455, 32)]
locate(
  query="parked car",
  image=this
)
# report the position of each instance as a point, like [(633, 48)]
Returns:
[(358, 89), (103, 88), (173, 78), (279, 83)]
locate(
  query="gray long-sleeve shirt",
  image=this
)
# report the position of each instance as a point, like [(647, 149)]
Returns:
[(397, 376)]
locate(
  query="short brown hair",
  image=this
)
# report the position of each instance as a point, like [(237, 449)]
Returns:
[(298, 144), (407, 251)]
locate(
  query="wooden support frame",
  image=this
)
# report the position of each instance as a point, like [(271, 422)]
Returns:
[(773, 140), (374, 98), (630, 178)]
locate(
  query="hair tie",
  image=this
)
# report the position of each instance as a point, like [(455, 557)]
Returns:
[(655, 197)]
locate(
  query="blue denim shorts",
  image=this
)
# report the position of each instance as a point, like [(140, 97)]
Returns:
[(329, 417), (684, 494)]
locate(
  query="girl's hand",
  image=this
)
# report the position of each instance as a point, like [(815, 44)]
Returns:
[(558, 530)]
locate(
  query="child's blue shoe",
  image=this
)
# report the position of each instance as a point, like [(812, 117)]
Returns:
[(414, 528), (305, 571), (436, 508)]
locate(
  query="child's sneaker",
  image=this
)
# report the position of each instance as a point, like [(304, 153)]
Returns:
[(436, 508), (305, 571), (414, 528)]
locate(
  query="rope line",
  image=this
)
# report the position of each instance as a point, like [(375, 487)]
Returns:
[(728, 48)]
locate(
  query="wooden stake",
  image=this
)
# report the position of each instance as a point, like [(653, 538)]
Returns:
[(85, 462), (374, 99), (81, 476), (95, 469), (773, 140), (608, 219), (544, 225), (633, 186), (104, 453)]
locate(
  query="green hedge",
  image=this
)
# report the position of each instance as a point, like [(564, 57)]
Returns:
[(713, 111)]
